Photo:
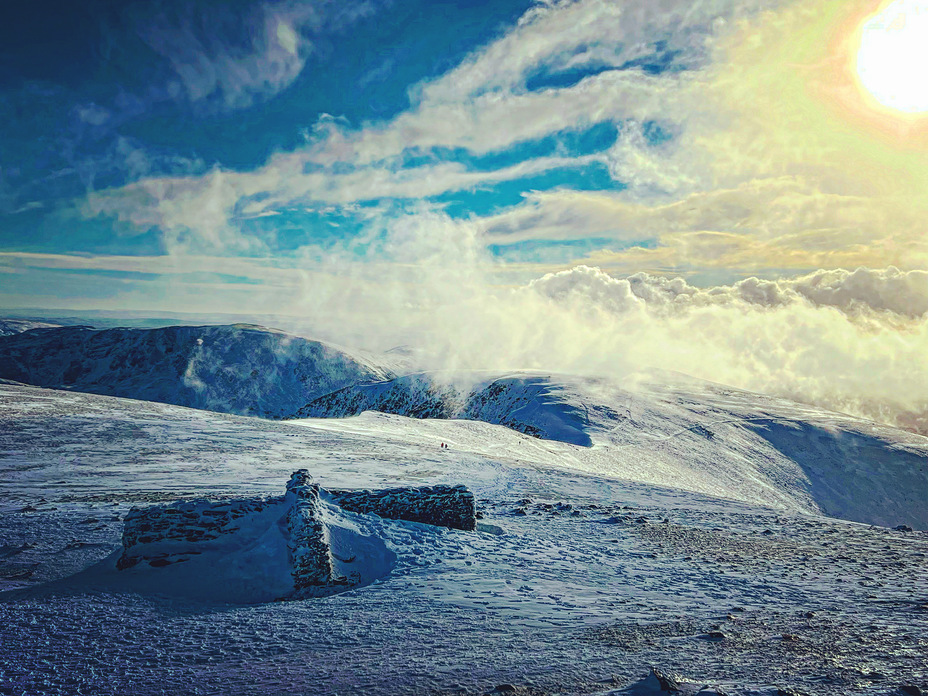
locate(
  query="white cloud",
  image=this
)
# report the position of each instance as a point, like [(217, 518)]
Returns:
[(216, 70), (845, 340), (863, 291), (482, 105)]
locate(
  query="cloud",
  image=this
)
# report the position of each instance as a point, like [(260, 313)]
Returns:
[(864, 291), (736, 183), (769, 169), (760, 225), (845, 340), (484, 105), (217, 65)]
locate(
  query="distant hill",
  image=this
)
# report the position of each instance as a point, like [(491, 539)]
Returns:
[(9, 327), (240, 368)]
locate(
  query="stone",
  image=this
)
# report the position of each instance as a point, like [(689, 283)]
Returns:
[(310, 555), (666, 682), (162, 535), (443, 506)]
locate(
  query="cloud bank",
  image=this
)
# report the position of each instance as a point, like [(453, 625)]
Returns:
[(846, 340)]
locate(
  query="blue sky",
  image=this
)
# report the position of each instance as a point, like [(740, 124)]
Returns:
[(176, 154)]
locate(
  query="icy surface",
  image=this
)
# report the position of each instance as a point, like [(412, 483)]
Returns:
[(238, 368), (651, 547)]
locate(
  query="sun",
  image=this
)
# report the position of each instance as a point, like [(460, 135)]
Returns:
[(892, 61)]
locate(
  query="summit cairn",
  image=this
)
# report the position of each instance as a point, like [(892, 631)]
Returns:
[(286, 542)]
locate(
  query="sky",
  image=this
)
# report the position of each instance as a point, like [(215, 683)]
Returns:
[(735, 188)]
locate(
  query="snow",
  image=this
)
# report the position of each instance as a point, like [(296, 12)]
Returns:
[(10, 327), (673, 431), (692, 512), (239, 368)]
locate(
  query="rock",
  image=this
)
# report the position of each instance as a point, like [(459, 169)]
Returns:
[(666, 682), (911, 690), (902, 528), (301, 522), (658, 681), (442, 506)]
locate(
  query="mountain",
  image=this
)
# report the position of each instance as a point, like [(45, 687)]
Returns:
[(589, 565), (653, 427), (9, 327), (671, 430), (237, 368)]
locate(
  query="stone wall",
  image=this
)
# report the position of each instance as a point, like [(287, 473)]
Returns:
[(443, 506), (308, 543), (177, 526), (165, 534)]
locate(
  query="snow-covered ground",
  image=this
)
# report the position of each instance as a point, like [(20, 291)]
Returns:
[(674, 431), (687, 534)]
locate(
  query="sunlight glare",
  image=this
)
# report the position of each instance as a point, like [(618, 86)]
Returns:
[(892, 61)]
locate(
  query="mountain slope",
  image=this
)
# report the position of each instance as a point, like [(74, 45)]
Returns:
[(674, 431), (239, 368), (10, 327), (574, 583)]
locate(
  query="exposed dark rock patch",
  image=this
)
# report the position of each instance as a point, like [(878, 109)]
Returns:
[(443, 506)]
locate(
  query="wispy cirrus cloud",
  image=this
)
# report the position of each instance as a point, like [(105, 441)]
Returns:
[(224, 59), (495, 100), (708, 168)]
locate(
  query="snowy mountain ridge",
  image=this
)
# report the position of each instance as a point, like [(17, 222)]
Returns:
[(10, 327), (529, 403), (239, 368), (655, 428), (679, 432)]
